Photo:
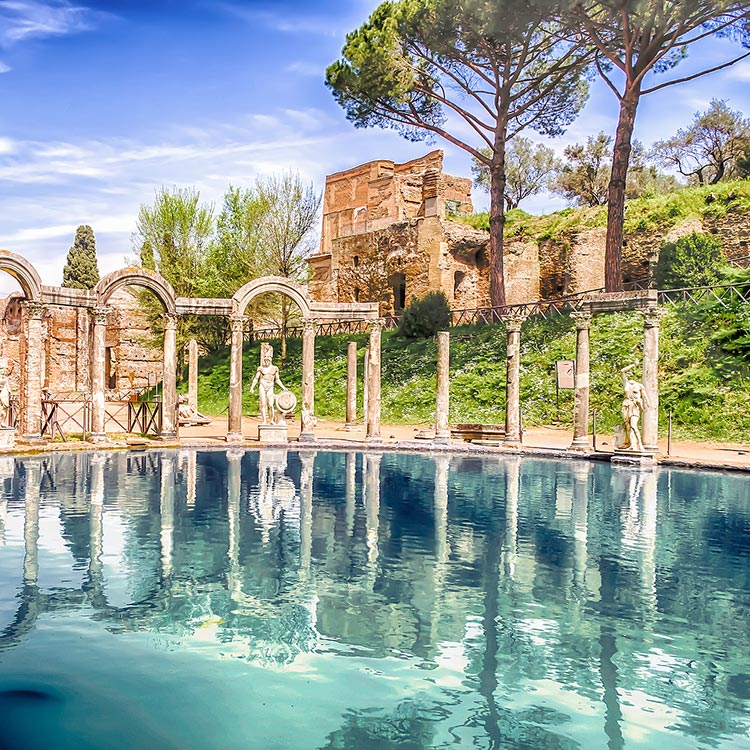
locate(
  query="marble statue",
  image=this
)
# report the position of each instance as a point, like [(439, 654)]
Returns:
[(632, 408), (266, 377), (187, 415), (6, 367)]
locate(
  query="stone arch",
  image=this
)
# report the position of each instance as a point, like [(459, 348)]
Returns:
[(245, 294), (23, 272), (137, 277)]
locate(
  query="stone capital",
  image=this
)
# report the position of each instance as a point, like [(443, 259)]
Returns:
[(35, 310), (309, 325), (513, 320), (170, 321), (582, 319), (237, 323), (100, 313), (376, 325), (652, 317)]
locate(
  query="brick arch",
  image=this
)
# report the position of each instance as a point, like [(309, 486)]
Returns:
[(23, 272), (245, 294), (137, 277)]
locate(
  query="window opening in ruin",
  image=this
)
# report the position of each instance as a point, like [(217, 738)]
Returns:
[(356, 292), (355, 260), (397, 282), (481, 258), (452, 208), (110, 368), (458, 277)]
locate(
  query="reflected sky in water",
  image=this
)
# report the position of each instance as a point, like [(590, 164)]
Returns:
[(275, 599)]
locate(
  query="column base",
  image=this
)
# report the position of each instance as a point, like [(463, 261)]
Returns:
[(307, 437), (235, 437), (373, 439), (512, 443), (351, 426), (442, 438), (97, 438), (634, 459), (580, 444), (167, 436)]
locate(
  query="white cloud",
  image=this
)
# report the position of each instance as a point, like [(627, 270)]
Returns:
[(303, 68), (4, 68), (739, 72), (27, 19)]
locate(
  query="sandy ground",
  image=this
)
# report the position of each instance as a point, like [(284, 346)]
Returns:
[(548, 438)]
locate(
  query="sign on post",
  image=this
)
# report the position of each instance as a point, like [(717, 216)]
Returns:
[(566, 374)]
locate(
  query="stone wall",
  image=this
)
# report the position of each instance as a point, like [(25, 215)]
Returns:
[(67, 335)]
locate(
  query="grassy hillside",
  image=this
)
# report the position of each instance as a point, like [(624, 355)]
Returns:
[(655, 213), (704, 372)]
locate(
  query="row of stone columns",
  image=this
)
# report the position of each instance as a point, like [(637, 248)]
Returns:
[(650, 416), (99, 376), (307, 408)]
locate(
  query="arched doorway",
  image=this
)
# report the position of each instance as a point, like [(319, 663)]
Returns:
[(241, 299), (163, 291), (32, 360)]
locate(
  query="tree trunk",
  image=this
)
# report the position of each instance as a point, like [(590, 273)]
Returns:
[(497, 224), (616, 190)]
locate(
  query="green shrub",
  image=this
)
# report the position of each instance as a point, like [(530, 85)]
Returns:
[(695, 260), (423, 318)]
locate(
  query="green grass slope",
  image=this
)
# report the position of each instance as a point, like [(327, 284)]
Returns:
[(649, 214), (704, 372)]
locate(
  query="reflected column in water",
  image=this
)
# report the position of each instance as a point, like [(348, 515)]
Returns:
[(306, 499), (7, 471), (648, 536), (31, 521), (440, 510), (192, 478), (510, 542), (350, 491), (580, 520), (372, 512), (166, 510), (234, 490), (96, 524)]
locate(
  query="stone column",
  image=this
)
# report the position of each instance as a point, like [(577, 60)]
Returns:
[(442, 433), (34, 355), (307, 429), (351, 385), (366, 388), (169, 379), (373, 383), (650, 424), (193, 375), (98, 375), (513, 323), (234, 429), (581, 394)]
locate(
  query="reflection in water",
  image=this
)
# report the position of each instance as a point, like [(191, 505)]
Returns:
[(404, 601)]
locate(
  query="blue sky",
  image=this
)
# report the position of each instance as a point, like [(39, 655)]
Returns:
[(103, 102)]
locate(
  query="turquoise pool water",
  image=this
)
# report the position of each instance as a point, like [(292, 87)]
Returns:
[(270, 600)]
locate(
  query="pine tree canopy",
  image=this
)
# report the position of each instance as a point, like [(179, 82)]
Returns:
[(81, 270)]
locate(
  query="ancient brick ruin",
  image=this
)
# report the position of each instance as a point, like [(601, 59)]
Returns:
[(388, 236)]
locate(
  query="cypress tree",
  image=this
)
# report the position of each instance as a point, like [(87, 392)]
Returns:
[(81, 270)]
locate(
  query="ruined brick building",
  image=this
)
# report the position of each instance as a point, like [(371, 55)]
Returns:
[(390, 233)]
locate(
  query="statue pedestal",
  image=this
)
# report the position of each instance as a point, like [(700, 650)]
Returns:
[(634, 459), (272, 433), (7, 438)]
